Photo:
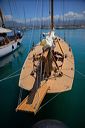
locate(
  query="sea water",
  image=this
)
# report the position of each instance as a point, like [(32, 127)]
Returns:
[(68, 107)]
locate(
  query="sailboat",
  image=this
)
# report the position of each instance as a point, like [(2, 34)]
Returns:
[(8, 44), (48, 68)]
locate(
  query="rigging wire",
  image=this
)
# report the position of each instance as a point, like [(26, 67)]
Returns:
[(63, 20), (11, 14), (49, 7), (24, 18), (41, 19), (24, 15), (21, 90), (16, 8), (49, 14), (42, 16), (49, 101), (33, 25)]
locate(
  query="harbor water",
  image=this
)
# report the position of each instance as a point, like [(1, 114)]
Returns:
[(68, 107)]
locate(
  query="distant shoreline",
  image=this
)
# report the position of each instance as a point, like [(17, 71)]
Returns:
[(59, 27)]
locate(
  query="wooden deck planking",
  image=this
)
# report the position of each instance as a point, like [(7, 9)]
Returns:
[(25, 77), (59, 84), (52, 85), (38, 98)]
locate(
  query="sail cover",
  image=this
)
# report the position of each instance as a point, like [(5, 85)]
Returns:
[(4, 30)]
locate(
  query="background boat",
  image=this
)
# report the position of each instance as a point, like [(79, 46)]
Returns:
[(9, 43)]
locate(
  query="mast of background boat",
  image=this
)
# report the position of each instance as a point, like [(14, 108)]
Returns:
[(52, 22), (2, 19), (12, 19)]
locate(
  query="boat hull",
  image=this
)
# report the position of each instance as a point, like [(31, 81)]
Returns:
[(12, 46)]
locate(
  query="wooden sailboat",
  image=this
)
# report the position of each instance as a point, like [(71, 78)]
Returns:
[(48, 68), (8, 43)]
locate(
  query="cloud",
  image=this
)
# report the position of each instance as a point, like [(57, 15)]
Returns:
[(73, 15), (8, 17), (83, 13), (19, 20), (67, 16)]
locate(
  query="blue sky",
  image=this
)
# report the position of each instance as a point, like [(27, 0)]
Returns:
[(33, 8)]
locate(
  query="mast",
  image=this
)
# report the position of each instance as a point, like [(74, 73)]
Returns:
[(3, 25), (52, 22)]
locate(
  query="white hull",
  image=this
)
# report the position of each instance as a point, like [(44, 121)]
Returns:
[(12, 46)]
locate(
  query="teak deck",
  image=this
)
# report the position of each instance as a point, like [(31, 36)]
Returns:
[(39, 96), (53, 84), (58, 84)]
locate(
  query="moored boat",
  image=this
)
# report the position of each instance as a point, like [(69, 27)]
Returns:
[(8, 43), (49, 68)]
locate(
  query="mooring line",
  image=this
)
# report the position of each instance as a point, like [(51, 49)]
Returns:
[(49, 101)]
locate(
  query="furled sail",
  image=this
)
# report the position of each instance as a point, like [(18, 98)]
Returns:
[(4, 30)]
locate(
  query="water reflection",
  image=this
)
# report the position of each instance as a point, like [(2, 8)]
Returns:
[(9, 58)]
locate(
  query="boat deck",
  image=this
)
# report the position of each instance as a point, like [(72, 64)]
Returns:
[(34, 106), (54, 84), (57, 84)]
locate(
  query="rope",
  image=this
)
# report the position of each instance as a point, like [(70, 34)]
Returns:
[(82, 74), (41, 70), (15, 72), (60, 47), (57, 94), (49, 101), (10, 76), (20, 96)]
